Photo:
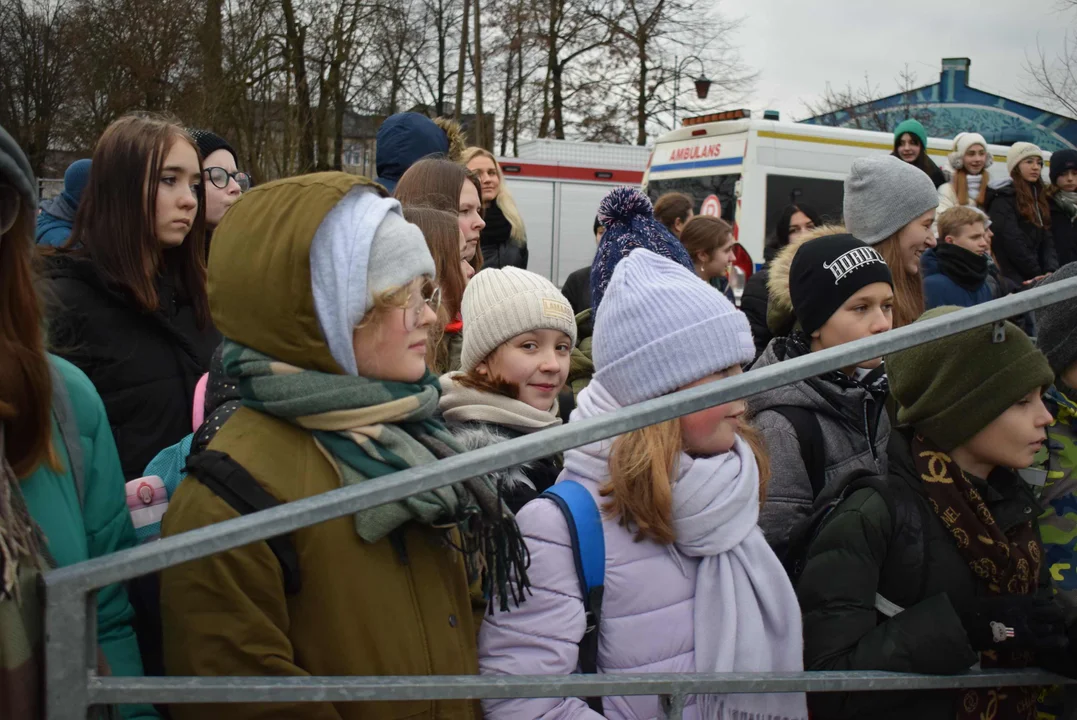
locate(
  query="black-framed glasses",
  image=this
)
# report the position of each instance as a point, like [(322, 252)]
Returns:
[(413, 313), (220, 177)]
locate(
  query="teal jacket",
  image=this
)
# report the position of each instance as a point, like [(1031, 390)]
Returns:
[(101, 525)]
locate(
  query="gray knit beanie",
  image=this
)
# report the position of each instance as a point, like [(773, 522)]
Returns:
[(884, 194), (1056, 325), (501, 303), (662, 328), (363, 248)]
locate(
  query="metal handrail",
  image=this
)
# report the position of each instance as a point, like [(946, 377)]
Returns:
[(69, 607)]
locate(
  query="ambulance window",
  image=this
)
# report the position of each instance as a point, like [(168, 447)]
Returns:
[(699, 189), (823, 195)]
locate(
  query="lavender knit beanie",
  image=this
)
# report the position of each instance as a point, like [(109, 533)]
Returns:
[(662, 328), (628, 217)]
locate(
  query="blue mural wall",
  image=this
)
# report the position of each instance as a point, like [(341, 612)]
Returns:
[(951, 106)]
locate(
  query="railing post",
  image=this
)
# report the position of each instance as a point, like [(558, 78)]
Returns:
[(671, 707), (69, 652)]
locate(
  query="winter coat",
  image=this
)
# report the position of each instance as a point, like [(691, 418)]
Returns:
[(581, 367), (753, 303), (577, 289), (629, 617), (855, 427), (1058, 524), (1063, 232), (855, 555), (144, 365), (948, 197), (941, 287), (399, 606), (99, 524), (520, 484), (54, 222), (498, 247), (1023, 250)]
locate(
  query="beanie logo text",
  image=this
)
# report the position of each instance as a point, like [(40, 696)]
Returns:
[(557, 310), (852, 261)]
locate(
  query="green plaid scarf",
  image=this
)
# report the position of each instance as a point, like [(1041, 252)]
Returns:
[(370, 428)]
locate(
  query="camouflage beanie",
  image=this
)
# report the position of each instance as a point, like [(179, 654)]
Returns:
[(950, 389)]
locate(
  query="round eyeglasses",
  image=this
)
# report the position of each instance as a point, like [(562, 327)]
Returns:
[(413, 313), (220, 177)]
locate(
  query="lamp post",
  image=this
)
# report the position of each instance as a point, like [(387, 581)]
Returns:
[(703, 85)]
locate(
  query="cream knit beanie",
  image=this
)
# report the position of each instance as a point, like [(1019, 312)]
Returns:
[(501, 303), (1021, 151), (962, 143)]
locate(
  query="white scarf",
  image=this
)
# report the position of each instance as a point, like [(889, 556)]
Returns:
[(747, 618), (974, 182)]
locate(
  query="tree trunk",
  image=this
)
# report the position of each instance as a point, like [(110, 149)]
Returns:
[(295, 37), (462, 65), (476, 66), (641, 96), (513, 48), (212, 67)]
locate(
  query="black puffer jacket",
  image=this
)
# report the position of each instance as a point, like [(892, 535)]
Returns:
[(1023, 250), (498, 248), (860, 552), (519, 484), (1064, 233), (144, 365), (753, 303)]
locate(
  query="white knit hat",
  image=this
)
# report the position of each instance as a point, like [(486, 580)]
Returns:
[(962, 143), (501, 303), (662, 328), (1021, 151)]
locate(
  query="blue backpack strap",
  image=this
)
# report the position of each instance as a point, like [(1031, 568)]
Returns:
[(589, 549)]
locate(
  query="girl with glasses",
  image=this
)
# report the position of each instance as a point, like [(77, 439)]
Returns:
[(223, 183)]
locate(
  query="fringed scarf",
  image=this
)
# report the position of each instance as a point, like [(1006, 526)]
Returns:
[(370, 428), (1007, 564)]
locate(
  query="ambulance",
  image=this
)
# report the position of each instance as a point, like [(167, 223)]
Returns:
[(557, 186), (747, 171)]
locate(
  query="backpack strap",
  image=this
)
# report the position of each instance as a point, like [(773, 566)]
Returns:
[(232, 483), (589, 550), (69, 430), (810, 436)]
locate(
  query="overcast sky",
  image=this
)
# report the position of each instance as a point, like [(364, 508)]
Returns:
[(797, 46)]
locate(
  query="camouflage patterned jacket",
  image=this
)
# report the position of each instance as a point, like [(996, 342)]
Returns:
[(1058, 525)]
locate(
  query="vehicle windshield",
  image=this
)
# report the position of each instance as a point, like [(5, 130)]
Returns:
[(699, 189)]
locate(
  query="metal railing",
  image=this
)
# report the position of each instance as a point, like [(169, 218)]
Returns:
[(72, 684)]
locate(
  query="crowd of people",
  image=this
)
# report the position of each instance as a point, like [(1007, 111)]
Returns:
[(180, 347)]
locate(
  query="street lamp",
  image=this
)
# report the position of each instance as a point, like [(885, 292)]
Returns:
[(703, 85)]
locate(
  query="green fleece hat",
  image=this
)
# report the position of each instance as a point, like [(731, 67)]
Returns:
[(950, 389), (913, 127)]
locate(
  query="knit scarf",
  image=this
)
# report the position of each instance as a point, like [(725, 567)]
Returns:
[(746, 617), (23, 557), (1067, 200), (967, 269), (974, 183), (1007, 564), (370, 428), (461, 404)]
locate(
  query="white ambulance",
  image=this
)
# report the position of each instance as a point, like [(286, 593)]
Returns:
[(557, 185), (747, 171)]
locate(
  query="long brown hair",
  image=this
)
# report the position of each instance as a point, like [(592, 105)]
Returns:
[(961, 187), (25, 383), (908, 288), (1031, 197), (643, 468), (436, 182), (705, 234), (115, 223)]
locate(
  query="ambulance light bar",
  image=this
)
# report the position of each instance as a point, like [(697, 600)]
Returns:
[(741, 114)]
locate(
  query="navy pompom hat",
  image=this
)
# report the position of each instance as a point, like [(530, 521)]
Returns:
[(628, 217)]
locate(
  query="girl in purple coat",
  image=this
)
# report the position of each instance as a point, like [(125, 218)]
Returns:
[(690, 583)]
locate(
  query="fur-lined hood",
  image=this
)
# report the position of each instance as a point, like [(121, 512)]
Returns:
[(455, 134), (477, 435), (780, 315)]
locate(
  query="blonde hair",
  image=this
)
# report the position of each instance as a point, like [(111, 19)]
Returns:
[(953, 219), (504, 198), (961, 187), (908, 288), (643, 467)]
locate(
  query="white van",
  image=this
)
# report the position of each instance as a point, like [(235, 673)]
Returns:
[(747, 171)]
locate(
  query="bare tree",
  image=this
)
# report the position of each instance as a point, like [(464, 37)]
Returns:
[(1053, 78), (865, 108)]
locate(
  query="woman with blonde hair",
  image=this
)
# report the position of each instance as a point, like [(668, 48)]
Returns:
[(890, 205), (504, 239)]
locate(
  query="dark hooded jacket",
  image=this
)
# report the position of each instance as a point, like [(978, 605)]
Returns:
[(1023, 250), (144, 365), (403, 140), (953, 276), (498, 247)]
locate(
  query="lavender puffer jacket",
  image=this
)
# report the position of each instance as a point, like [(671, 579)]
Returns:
[(647, 617)]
